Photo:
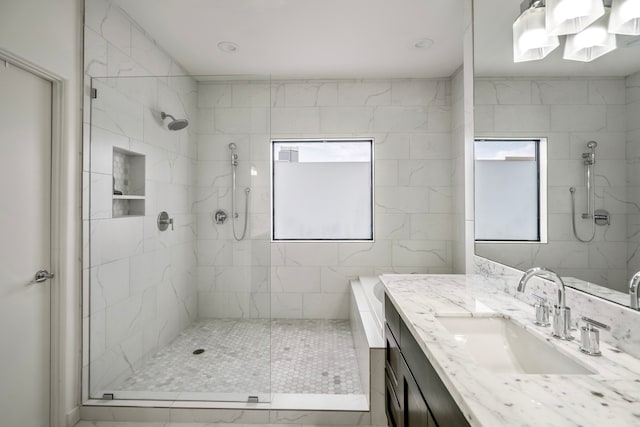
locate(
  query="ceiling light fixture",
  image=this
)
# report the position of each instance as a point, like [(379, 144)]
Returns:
[(530, 38), (625, 17), (590, 27), (572, 16), (592, 42), (228, 47)]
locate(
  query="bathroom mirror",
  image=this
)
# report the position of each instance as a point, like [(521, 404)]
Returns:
[(573, 104)]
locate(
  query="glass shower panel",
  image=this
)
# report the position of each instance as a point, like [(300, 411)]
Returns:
[(178, 307), (232, 206)]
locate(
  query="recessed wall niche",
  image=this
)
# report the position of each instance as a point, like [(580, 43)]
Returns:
[(128, 183)]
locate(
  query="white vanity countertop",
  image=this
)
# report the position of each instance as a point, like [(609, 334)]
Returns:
[(609, 398)]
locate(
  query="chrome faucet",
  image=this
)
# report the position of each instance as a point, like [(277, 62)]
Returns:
[(633, 291), (561, 326)]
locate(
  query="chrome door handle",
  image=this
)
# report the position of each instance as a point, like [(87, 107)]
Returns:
[(42, 275)]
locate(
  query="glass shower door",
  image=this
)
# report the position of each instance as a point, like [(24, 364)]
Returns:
[(178, 308)]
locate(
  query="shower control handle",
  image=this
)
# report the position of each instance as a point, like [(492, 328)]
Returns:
[(602, 217), (164, 221), (221, 216)]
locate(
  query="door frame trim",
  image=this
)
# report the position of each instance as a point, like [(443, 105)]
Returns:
[(59, 211)]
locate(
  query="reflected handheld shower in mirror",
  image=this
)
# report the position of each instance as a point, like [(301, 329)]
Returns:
[(597, 217)]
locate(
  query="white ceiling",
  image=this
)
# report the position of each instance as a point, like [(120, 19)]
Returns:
[(307, 38), (493, 51)]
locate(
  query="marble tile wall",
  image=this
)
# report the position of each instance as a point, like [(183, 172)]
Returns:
[(569, 112), (139, 283), (233, 277), (411, 122)]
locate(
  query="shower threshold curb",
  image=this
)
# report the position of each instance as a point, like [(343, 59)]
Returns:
[(335, 411), (279, 402)]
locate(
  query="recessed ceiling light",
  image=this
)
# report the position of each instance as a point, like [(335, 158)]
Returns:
[(423, 43), (228, 47)]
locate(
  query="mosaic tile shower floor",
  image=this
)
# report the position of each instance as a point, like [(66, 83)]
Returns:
[(307, 356)]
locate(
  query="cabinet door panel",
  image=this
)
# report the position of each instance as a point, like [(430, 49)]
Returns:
[(416, 411), (393, 409)]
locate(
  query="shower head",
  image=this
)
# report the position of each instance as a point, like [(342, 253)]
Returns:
[(592, 144), (174, 124), (232, 146)]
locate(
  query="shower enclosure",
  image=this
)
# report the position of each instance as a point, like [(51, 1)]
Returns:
[(177, 277)]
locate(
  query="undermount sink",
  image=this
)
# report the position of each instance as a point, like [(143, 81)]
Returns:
[(502, 346)]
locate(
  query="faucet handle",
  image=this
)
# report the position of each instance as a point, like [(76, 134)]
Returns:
[(542, 311), (590, 336)]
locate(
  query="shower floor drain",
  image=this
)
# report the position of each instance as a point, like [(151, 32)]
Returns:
[(198, 351)]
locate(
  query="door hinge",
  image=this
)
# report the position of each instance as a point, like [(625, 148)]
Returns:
[(108, 396), (94, 93), (252, 399)]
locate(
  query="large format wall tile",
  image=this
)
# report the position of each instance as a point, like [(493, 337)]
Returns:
[(410, 120)]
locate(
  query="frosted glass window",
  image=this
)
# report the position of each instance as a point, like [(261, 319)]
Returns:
[(322, 189), (509, 195)]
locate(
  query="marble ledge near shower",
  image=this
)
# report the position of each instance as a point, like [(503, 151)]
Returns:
[(608, 397), (367, 319)]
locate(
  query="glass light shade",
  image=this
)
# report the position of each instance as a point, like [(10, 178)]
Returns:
[(530, 38), (625, 17), (592, 42), (572, 16)]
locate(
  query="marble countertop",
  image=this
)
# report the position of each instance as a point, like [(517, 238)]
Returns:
[(609, 397)]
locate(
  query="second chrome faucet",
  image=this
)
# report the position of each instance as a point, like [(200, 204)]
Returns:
[(561, 324)]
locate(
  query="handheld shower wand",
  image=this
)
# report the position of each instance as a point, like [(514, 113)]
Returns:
[(599, 217), (234, 214), (589, 163)]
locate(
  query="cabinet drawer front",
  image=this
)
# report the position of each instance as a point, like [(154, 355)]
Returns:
[(393, 362), (392, 317), (443, 408)]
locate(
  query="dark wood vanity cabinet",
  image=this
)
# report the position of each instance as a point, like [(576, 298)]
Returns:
[(415, 395)]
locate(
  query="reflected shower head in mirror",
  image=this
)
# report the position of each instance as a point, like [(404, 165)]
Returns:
[(174, 124)]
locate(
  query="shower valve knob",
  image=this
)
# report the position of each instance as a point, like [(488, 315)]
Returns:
[(221, 216), (602, 217), (164, 221)]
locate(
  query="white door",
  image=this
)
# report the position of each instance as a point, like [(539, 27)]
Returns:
[(25, 211)]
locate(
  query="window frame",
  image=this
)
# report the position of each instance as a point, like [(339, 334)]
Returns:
[(542, 168), (365, 139)]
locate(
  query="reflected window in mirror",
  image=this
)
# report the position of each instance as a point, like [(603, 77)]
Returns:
[(510, 190)]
